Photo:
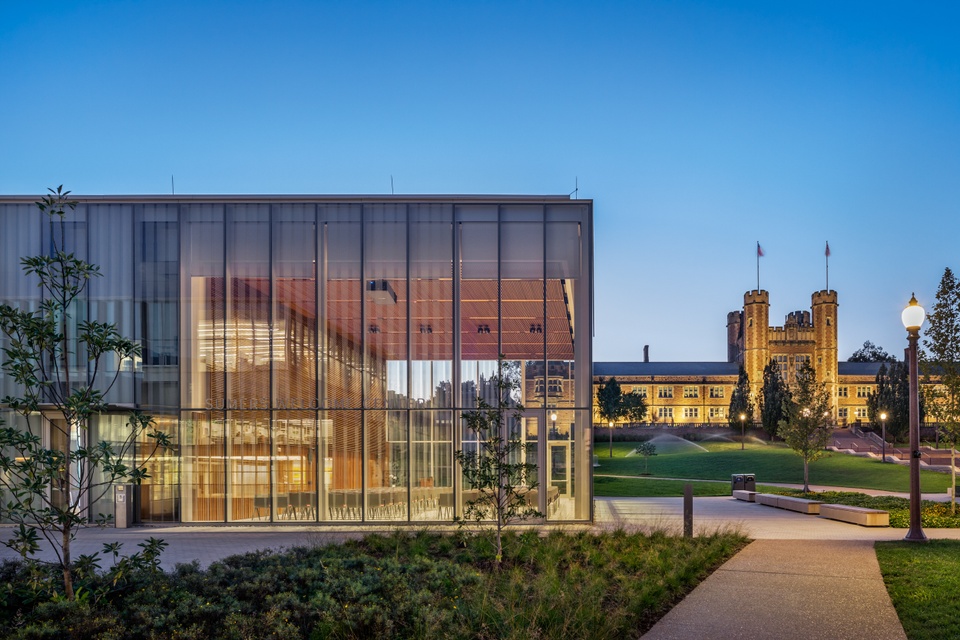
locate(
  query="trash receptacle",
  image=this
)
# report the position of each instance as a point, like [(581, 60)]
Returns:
[(123, 505), (750, 481), (736, 482)]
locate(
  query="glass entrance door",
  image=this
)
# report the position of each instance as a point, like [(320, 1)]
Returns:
[(558, 472)]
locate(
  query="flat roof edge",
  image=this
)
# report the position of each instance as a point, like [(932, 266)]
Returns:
[(175, 198)]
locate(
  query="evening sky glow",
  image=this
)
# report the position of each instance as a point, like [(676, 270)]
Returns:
[(698, 129)]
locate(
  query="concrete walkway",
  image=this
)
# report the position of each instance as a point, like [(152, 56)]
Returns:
[(789, 590)]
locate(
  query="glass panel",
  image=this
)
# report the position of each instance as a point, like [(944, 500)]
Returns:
[(295, 307), (385, 305), (249, 347), (431, 315), (111, 428), (341, 442), (387, 465), (70, 234), (432, 465), (158, 295), (20, 236), (295, 456), (203, 303), (561, 489), (341, 362), (249, 466), (479, 310), (160, 493), (110, 297), (204, 474)]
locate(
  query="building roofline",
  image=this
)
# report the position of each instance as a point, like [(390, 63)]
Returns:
[(309, 198)]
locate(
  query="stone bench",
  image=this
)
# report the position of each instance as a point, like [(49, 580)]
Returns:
[(800, 505), (746, 496), (855, 515)]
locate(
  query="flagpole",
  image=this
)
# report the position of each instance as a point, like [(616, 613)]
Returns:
[(826, 257), (759, 253)]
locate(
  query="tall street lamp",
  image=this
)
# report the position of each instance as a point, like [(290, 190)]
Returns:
[(611, 438), (883, 424), (913, 317), (742, 436)]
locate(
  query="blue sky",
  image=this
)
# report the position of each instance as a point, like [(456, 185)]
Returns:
[(698, 128)]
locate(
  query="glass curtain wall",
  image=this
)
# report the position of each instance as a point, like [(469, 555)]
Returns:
[(203, 362), (314, 359), (341, 360), (431, 361), (295, 343)]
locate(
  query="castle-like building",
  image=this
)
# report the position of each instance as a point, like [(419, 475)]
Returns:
[(697, 393), (804, 339)]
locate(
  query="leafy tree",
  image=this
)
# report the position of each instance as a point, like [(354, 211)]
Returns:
[(497, 468), (806, 427), (47, 486), (776, 398), (646, 449), (870, 352), (893, 397), (881, 400), (942, 344), (635, 406), (610, 404), (740, 402)]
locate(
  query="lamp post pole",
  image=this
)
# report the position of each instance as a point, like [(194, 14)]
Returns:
[(742, 433), (883, 425), (913, 317), (611, 438)]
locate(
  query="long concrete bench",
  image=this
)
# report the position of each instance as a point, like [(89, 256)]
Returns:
[(800, 505), (746, 496), (855, 515)]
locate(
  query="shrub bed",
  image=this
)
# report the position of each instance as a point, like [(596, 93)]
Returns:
[(404, 585)]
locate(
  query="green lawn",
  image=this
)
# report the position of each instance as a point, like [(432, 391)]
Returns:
[(650, 488), (923, 581), (770, 463)]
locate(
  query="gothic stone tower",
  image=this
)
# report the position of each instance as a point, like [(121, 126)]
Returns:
[(756, 340), (804, 338), (824, 305)]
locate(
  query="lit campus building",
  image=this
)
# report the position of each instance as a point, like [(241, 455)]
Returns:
[(698, 393), (311, 356)]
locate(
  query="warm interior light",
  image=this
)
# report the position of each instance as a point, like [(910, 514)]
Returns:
[(913, 316)]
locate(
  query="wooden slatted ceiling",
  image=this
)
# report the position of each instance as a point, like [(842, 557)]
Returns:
[(521, 305)]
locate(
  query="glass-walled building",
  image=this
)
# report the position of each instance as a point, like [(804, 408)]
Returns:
[(312, 356)]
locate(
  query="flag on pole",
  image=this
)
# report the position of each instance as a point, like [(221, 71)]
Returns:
[(827, 252), (759, 251)]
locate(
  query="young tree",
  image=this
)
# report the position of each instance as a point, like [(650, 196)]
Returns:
[(870, 352), (776, 398), (942, 343), (646, 449), (497, 468), (806, 428), (740, 402), (51, 471), (610, 404)]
